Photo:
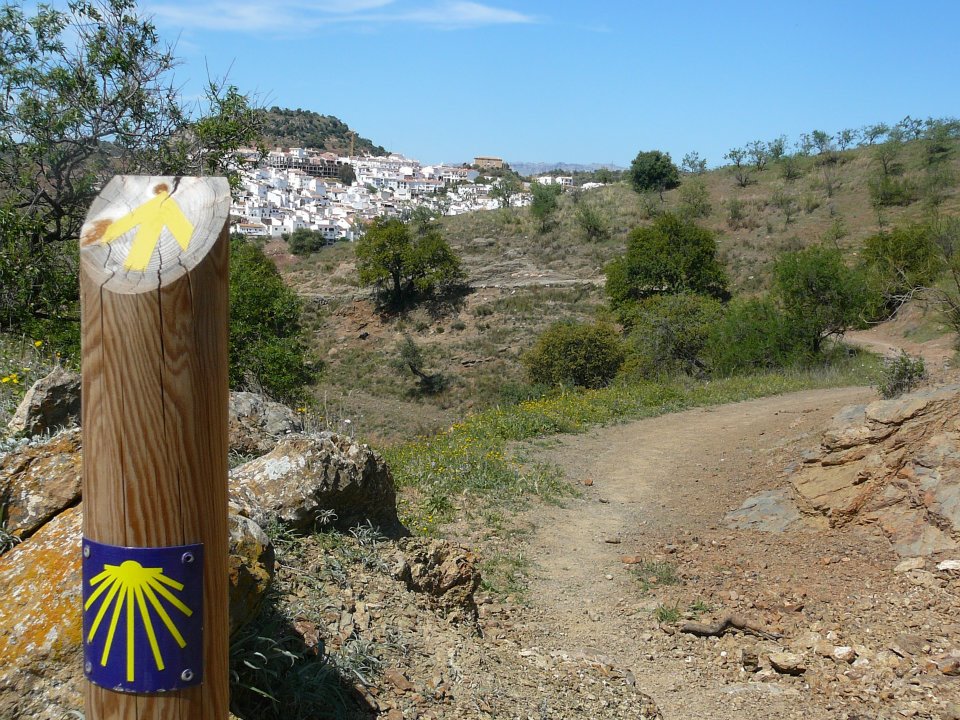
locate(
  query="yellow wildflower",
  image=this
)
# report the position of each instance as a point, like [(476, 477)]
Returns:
[(37, 343)]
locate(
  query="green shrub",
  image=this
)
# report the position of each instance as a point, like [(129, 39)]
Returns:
[(671, 256), (694, 200), (888, 190), (668, 335), (266, 347), (752, 335), (303, 241), (900, 261), (819, 295), (575, 354), (901, 375)]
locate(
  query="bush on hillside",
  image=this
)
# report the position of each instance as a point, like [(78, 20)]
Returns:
[(752, 335), (574, 354), (671, 256), (900, 261), (901, 375), (266, 346), (669, 334), (303, 241), (819, 295)]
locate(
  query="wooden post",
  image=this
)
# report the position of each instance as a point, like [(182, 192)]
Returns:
[(154, 295)]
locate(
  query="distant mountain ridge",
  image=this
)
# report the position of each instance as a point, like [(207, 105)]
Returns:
[(304, 128), (537, 168)]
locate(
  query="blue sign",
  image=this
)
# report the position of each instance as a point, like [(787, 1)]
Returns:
[(143, 617)]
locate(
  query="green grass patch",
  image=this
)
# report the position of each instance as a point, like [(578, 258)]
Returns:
[(651, 575), (471, 461)]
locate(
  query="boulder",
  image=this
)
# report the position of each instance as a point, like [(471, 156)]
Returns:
[(52, 402), (41, 658), (41, 654), (892, 463), (444, 572), (251, 566), (307, 476), (38, 481), (255, 423)]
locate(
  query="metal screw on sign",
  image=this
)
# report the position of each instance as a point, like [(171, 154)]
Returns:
[(86, 551), (187, 675), (187, 558)]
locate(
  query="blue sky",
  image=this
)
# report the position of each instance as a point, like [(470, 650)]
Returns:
[(576, 81)]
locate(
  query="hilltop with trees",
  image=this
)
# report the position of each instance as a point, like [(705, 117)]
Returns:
[(283, 127)]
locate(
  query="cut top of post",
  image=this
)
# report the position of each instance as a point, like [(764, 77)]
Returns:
[(143, 232)]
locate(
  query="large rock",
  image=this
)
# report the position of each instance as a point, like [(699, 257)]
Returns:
[(255, 423), (305, 476), (51, 402), (251, 568), (38, 481), (895, 463), (41, 654), (444, 572)]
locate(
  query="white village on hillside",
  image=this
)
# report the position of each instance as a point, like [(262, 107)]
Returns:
[(299, 188)]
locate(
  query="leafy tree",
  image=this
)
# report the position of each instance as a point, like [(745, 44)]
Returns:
[(694, 200), (393, 259), (736, 156), (591, 221), (901, 261), (846, 138), (303, 241), (693, 163), (85, 93), (671, 256), (668, 334), (822, 141), (346, 174), (786, 203), (872, 133), (504, 189), (266, 343), (653, 170), (777, 148), (912, 128), (752, 335), (574, 354), (410, 357), (790, 168), (819, 295), (544, 202), (757, 151)]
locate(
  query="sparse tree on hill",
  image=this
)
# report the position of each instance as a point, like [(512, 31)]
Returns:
[(822, 141), (544, 202), (846, 138), (504, 189), (653, 171), (777, 147), (693, 163), (872, 133), (757, 150)]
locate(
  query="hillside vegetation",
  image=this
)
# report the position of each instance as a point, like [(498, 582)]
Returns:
[(303, 128), (525, 274)]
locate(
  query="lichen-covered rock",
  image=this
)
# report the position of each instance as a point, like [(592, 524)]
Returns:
[(895, 463), (38, 481), (255, 423), (41, 655), (251, 567), (445, 572), (305, 476), (51, 402)]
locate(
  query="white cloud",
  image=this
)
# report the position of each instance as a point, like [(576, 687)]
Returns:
[(297, 16)]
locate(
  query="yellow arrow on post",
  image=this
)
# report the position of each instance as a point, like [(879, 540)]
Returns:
[(155, 214)]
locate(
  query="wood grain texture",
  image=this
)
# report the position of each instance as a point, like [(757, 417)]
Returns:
[(155, 414)]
